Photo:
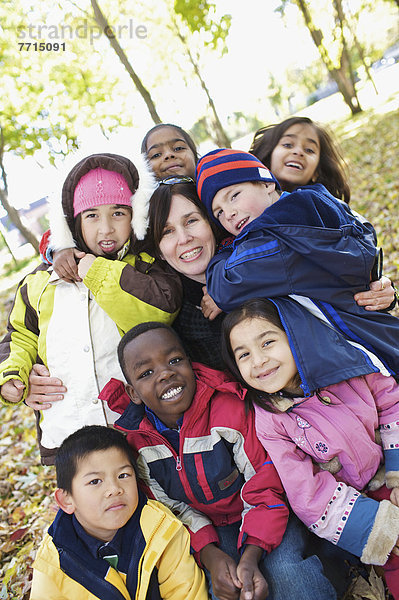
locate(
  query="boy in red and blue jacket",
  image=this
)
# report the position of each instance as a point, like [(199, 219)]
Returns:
[(199, 455)]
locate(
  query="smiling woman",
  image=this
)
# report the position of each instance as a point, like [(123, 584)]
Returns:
[(187, 241), (181, 234)]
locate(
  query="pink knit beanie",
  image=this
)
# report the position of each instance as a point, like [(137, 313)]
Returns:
[(98, 187)]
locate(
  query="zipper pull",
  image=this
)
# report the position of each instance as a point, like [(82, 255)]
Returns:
[(178, 464)]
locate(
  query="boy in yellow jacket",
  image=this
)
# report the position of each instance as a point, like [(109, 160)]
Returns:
[(109, 541)]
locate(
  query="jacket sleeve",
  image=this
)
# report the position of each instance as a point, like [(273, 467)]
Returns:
[(330, 508), (202, 531), (385, 391), (18, 349), (135, 291), (179, 576), (44, 248), (48, 579), (44, 586), (253, 267), (265, 513)]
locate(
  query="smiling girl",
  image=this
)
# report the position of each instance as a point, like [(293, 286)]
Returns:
[(299, 152), (317, 408), (74, 328), (170, 151)]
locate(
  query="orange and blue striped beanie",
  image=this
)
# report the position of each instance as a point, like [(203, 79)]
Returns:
[(223, 167)]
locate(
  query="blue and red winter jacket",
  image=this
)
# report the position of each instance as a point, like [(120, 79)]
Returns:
[(221, 473)]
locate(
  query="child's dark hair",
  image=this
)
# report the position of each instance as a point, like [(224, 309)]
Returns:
[(186, 137), (134, 333), (158, 213), (255, 308), (331, 170), (81, 443)]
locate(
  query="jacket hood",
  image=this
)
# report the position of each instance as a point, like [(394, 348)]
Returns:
[(139, 177), (322, 355)]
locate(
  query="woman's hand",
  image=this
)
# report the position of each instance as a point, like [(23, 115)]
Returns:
[(65, 264), (380, 295), (12, 390), (43, 389), (210, 310)]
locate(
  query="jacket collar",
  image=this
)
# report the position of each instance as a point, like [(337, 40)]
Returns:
[(208, 382), (79, 562)]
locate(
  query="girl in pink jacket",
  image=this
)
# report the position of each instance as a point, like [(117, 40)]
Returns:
[(328, 447)]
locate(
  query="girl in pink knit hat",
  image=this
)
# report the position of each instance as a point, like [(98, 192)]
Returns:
[(73, 328)]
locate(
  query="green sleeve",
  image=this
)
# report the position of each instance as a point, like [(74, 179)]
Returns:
[(134, 290)]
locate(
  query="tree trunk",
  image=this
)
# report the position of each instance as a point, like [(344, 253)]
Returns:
[(11, 211), (345, 85), (361, 51), (221, 137), (15, 218), (3, 237), (104, 26), (346, 65)]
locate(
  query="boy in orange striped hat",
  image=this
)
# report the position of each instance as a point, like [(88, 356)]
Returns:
[(305, 244)]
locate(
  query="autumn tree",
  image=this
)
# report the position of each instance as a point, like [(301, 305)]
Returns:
[(186, 20), (47, 98), (335, 53), (109, 33), (199, 17)]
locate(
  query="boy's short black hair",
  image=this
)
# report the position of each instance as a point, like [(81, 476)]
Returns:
[(135, 332), (81, 443)]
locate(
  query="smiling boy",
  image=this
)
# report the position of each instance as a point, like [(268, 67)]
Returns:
[(305, 244), (108, 537), (199, 455)]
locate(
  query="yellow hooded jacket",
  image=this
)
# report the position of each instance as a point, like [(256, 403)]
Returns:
[(167, 550)]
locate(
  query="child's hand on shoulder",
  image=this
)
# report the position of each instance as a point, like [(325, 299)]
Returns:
[(85, 264), (253, 584), (223, 570), (12, 390), (210, 309), (65, 264)]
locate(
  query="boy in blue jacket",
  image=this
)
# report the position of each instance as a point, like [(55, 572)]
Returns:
[(108, 541), (305, 244), (199, 455)]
